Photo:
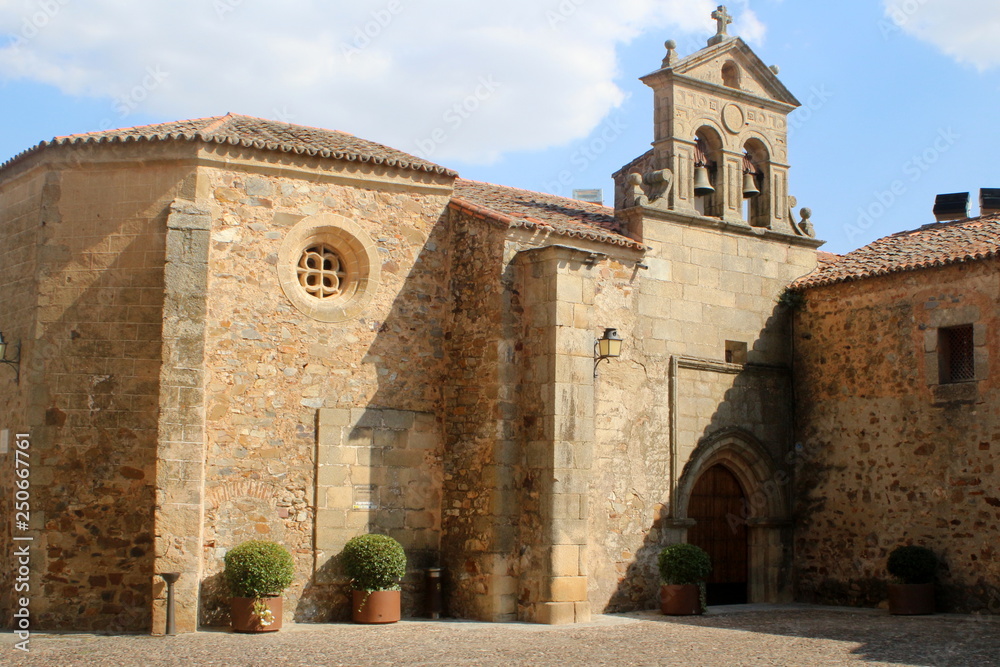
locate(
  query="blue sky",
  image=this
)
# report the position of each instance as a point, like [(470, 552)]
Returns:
[(899, 96)]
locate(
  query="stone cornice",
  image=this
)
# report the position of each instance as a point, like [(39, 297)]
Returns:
[(715, 366), (695, 220)]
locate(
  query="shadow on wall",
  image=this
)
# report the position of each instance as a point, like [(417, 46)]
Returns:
[(380, 469), (893, 465), (750, 432), (92, 370)]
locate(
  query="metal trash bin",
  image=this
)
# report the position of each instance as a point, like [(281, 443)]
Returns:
[(433, 595)]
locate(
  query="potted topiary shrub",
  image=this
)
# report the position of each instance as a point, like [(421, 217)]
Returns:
[(683, 568), (914, 569), (257, 572), (375, 564)]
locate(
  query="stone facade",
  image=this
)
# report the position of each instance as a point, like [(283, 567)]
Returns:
[(237, 329), (892, 454)]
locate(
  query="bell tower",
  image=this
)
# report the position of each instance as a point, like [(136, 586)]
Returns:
[(720, 147)]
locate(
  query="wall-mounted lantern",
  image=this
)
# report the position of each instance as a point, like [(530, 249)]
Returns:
[(608, 346), (14, 363)]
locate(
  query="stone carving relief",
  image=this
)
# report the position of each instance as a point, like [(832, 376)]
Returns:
[(651, 189)]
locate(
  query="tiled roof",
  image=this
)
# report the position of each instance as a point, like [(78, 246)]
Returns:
[(938, 244), (537, 210), (252, 132)]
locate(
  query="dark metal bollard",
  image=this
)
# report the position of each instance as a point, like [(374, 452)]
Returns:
[(171, 578), (432, 592)]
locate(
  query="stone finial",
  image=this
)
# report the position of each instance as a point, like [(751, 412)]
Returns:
[(775, 69), (671, 53), (805, 226), (723, 19)]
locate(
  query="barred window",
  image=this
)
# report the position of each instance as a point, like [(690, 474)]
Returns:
[(956, 361)]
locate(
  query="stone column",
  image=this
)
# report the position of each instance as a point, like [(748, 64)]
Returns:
[(730, 185), (180, 463), (558, 404)]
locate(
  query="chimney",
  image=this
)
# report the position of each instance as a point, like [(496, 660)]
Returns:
[(989, 201), (951, 207)]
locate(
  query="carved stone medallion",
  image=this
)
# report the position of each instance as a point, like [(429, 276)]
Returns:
[(733, 118)]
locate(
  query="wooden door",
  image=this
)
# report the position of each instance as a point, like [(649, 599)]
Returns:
[(718, 505)]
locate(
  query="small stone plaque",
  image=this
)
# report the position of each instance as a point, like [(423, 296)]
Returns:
[(365, 497)]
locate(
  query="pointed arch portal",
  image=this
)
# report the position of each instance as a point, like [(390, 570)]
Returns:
[(718, 505), (733, 496)]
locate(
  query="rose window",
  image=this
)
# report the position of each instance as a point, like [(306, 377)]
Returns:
[(321, 271)]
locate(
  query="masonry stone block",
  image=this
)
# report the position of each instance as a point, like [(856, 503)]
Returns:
[(569, 531), (336, 455), (334, 417), (385, 439), (568, 589), (403, 458), (556, 613), (328, 537), (361, 519), (338, 497), (333, 475), (565, 560), (369, 455)]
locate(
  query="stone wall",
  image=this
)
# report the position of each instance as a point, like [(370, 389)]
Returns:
[(557, 410), (20, 217), (662, 408), (92, 387), (274, 374), (480, 504), (891, 455)]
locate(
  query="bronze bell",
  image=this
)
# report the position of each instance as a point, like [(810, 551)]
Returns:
[(750, 186), (702, 186)]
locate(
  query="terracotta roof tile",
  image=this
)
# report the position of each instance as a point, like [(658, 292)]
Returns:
[(938, 244), (536, 210), (254, 133)]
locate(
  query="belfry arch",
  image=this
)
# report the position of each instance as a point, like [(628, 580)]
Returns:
[(757, 163), (765, 514)]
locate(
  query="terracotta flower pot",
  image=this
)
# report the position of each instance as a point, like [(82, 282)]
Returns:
[(680, 599), (245, 619), (911, 599), (379, 607)]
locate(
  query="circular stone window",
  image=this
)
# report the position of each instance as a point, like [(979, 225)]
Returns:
[(321, 272), (328, 268)]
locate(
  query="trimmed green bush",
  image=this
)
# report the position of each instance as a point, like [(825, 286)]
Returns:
[(913, 564), (374, 562), (684, 564), (257, 569)]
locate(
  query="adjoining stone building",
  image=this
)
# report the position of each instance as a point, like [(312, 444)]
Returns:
[(233, 328), (895, 350)]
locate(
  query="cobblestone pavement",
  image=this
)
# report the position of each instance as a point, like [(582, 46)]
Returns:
[(756, 635)]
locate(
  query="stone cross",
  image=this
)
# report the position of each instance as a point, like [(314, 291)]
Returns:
[(722, 17)]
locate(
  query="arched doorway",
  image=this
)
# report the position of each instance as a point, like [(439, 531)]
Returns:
[(718, 505)]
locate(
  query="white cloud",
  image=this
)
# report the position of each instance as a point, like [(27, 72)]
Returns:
[(965, 30), (463, 80)]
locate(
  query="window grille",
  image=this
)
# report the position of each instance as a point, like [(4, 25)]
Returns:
[(957, 354)]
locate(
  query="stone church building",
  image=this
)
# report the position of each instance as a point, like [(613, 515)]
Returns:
[(232, 328)]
